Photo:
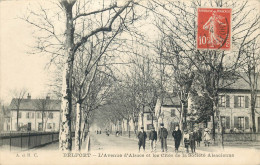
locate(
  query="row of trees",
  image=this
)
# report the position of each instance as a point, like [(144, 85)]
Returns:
[(85, 40), (201, 73)]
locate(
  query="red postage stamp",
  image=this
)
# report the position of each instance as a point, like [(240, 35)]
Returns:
[(214, 28)]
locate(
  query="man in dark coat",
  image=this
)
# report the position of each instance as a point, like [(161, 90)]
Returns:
[(177, 137), (198, 136), (192, 139), (142, 137), (163, 133), (153, 139)]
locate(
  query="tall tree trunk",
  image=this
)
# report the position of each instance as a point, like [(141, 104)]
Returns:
[(142, 116), (219, 123), (253, 112), (181, 117), (65, 141), (78, 127), (213, 126), (42, 120), (128, 128)]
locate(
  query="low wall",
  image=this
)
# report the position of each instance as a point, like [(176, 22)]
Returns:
[(242, 137)]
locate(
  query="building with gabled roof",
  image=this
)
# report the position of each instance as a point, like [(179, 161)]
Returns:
[(34, 114)]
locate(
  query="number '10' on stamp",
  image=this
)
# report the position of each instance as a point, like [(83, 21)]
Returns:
[(214, 28)]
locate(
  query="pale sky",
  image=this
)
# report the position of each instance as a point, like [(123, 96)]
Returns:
[(17, 68)]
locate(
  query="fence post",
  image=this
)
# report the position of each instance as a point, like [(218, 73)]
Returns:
[(21, 142), (28, 140), (10, 141)]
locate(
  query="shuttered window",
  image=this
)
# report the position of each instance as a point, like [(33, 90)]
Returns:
[(246, 102), (221, 101), (247, 122), (257, 105), (227, 101), (227, 122), (241, 123), (173, 113), (239, 101)]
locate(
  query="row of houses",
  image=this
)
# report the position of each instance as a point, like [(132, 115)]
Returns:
[(234, 106)]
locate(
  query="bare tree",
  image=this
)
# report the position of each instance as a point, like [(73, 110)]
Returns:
[(43, 104), (250, 73), (177, 21), (75, 13)]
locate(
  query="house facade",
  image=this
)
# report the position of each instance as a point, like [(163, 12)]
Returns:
[(235, 108), (34, 115), (169, 112)]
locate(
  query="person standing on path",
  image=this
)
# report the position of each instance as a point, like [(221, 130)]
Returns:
[(206, 137), (198, 137), (186, 138), (192, 139), (163, 133), (142, 137), (153, 139), (177, 137)]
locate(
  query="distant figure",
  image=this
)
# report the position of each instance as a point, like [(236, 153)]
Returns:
[(153, 139), (117, 133), (142, 137), (107, 132), (163, 133), (186, 140), (206, 137), (177, 137), (198, 136), (192, 139)]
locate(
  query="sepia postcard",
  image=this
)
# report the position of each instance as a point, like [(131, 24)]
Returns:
[(129, 82)]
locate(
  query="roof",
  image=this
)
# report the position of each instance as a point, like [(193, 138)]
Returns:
[(239, 84), (36, 104), (171, 101)]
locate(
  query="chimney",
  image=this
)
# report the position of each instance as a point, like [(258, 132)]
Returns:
[(28, 96), (47, 97)]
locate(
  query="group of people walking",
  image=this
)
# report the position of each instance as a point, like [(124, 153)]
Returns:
[(191, 138)]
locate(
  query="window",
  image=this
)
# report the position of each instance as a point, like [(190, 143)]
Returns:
[(241, 123), (257, 102), (20, 115), (49, 126), (225, 121), (44, 114), (239, 101), (149, 117), (53, 125), (173, 114), (221, 101), (27, 115), (51, 115), (32, 115), (38, 115), (39, 126)]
